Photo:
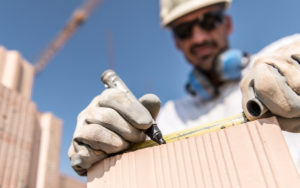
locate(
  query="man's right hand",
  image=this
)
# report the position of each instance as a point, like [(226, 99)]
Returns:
[(108, 125)]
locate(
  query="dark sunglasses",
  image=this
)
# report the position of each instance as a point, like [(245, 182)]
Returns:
[(207, 22)]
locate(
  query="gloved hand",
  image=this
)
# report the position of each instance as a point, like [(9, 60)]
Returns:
[(108, 125), (272, 87)]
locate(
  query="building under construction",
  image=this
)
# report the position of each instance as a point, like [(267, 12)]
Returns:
[(29, 140)]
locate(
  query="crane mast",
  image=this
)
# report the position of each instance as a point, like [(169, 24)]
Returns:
[(79, 16)]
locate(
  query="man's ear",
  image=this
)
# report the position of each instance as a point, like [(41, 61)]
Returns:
[(229, 25)]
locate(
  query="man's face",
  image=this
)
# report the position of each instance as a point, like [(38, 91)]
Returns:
[(202, 45)]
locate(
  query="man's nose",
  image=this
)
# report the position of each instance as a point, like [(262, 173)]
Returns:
[(199, 35)]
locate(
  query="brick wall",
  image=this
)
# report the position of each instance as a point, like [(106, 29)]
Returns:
[(250, 155), (18, 131)]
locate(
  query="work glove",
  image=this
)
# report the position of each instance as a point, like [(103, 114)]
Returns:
[(272, 87), (108, 125)]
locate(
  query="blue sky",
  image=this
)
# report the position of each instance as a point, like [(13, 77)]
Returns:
[(144, 53)]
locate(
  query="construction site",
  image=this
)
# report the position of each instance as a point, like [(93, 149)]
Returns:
[(58, 67)]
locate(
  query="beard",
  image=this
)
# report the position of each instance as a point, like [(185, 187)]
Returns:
[(204, 61)]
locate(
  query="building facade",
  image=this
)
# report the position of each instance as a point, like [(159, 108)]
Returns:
[(29, 140)]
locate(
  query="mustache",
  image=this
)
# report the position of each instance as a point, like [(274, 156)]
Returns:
[(207, 43)]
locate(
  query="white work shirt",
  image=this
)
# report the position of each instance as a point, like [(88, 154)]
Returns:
[(191, 111)]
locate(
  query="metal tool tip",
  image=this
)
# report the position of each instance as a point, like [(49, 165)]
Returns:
[(162, 141)]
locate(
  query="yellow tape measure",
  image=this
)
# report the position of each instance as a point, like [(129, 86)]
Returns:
[(195, 131)]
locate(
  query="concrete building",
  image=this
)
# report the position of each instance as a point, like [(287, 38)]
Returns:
[(29, 140)]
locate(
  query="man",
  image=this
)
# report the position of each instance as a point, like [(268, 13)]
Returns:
[(112, 121)]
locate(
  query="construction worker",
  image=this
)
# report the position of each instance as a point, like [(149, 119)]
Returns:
[(112, 121)]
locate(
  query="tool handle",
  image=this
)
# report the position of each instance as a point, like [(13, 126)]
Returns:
[(112, 80)]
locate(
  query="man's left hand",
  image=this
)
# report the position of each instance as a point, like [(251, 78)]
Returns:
[(274, 80)]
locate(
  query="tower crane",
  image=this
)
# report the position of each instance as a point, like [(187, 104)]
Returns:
[(79, 16)]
